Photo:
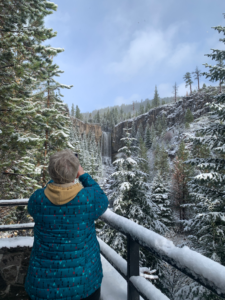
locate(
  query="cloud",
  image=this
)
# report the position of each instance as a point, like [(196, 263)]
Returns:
[(181, 55), (150, 49), (146, 49), (122, 100)]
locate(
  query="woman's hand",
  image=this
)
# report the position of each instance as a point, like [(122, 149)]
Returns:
[(80, 171)]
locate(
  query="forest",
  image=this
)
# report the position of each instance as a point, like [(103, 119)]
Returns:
[(167, 177)]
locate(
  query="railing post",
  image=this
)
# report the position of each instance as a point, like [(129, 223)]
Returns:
[(132, 267)]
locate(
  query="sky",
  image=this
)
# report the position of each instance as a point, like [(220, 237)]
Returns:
[(117, 51)]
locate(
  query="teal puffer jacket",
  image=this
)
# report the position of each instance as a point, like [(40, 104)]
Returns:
[(65, 260)]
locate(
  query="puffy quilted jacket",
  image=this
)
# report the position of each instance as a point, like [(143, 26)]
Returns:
[(65, 260)]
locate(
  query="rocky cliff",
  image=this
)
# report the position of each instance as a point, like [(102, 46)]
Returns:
[(88, 127), (174, 113)]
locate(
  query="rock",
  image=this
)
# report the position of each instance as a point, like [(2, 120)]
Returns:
[(9, 274), (11, 259), (88, 127), (174, 113), (14, 264)]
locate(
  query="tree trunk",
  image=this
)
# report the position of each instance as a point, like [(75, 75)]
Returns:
[(198, 83), (46, 137)]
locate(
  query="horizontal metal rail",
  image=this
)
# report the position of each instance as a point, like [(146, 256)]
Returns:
[(137, 282), (201, 269), (17, 226), (16, 202)]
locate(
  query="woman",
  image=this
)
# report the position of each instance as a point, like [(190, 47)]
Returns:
[(65, 260)]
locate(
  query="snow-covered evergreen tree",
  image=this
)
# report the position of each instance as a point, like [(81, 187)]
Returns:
[(51, 116), (148, 140), (161, 196), (24, 65), (131, 198), (207, 227), (161, 160), (143, 160)]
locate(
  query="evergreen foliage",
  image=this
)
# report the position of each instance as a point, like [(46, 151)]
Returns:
[(78, 114), (143, 164), (156, 100), (197, 74), (161, 197), (161, 161), (27, 70), (72, 111), (130, 192), (181, 177), (148, 139), (89, 152), (188, 80), (188, 116)]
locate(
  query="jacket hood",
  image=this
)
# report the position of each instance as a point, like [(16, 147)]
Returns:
[(62, 194)]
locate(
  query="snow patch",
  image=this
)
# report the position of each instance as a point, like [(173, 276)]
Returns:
[(25, 241)]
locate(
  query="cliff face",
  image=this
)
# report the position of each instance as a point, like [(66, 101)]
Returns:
[(174, 112), (88, 127)]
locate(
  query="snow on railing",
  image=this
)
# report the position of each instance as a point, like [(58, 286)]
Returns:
[(198, 267), (14, 202), (17, 226), (145, 288)]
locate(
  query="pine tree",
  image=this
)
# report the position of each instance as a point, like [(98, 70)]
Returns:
[(24, 62), (141, 108), (175, 91), (140, 132), (216, 73), (207, 226), (131, 198), (161, 197), (204, 85), (72, 111), (148, 105), (148, 140), (78, 113), (188, 116), (98, 117), (181, 177), (161, 161), (159, 126), (143, 160), (197, 75), (188, 80), (156, 101), (153, 136)]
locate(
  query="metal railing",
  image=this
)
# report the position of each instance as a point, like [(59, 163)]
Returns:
[(201, 269)]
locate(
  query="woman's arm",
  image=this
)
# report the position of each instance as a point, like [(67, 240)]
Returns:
[(101, 201)]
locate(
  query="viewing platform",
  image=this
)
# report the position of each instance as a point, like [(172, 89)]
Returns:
[(121, 278)]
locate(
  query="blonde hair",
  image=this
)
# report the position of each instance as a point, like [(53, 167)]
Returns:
[(63, 166)]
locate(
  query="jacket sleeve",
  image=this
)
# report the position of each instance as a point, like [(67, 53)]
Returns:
[(30, 206), (101, 201)]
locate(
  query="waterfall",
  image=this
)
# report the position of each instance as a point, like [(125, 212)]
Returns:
[(106, 147)]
